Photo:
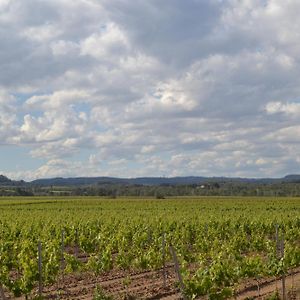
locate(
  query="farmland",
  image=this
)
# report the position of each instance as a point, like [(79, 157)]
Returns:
[(91, 247)]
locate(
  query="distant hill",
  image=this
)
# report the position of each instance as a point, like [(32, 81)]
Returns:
[(4, 179), (125, 181), (155, 181), (292, 178)]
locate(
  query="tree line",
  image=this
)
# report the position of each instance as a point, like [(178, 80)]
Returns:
[(159, 191)]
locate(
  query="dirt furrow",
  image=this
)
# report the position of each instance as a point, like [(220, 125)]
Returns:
[(140, 284), (148, 285), (268, 287)]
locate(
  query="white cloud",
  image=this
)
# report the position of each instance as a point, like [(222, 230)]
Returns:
[(292, 108), (59, 167), (109, 42), (57, 100), (8, 116), (63, 48), (152, 87), (52, 126), (286, 135), (42, 33)]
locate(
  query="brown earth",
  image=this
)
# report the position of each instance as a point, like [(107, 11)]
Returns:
[(149, 285), (265, 288)]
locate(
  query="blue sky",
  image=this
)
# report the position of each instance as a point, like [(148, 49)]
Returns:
[(149, 88)]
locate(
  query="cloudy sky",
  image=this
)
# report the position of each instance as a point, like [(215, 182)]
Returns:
[(149, 88)]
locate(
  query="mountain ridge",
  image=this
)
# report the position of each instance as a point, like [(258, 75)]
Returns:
[(177, 180)]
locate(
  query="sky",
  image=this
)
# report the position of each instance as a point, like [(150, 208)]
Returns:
[(149, 88)]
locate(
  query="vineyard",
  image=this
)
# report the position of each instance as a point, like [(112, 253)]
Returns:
[(188, 248)]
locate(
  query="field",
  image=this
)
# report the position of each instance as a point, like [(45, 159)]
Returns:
[(96, 248)]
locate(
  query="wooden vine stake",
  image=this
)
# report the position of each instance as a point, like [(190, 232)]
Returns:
[(177, 270), (283, 273), (40, 269), (164, 259), (277, 239), (62, 252), (76, 243)]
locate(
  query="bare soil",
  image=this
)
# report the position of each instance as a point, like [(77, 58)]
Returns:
[(265, 288), (148, 285)]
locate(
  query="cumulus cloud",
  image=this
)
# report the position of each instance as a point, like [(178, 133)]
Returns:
[(286, 108), (110, 42), (56, 100), (151, 87), (8, 116), (57, 168)]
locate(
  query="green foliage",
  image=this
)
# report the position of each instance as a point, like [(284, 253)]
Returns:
[(100, 263), (99, 294), (226, 240), (274, 296)]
